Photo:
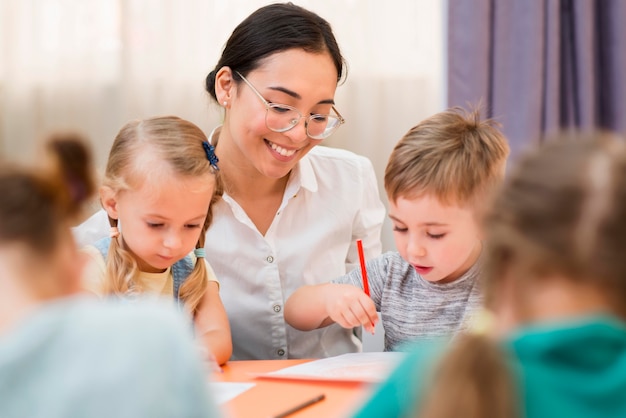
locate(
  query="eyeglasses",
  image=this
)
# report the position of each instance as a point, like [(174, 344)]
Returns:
[(281, 118)]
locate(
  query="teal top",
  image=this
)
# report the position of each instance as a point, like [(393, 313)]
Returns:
[(571, 369), (79, 358)]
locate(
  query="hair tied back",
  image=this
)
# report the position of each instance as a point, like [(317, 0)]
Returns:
[(210, 154)]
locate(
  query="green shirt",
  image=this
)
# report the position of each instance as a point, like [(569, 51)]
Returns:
[(571, 369)]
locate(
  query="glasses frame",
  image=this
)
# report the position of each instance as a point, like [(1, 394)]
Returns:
[(269, 105)]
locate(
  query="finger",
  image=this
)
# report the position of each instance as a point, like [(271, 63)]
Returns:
[(350, 318), (370, 316)]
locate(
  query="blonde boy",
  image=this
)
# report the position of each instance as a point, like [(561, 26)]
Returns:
[(437, 180)]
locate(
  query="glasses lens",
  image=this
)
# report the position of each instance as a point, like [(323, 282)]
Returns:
[(322, 126), (281, 118)]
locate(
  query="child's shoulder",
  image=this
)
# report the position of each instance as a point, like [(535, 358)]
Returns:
[(94, 270), (117, 320)]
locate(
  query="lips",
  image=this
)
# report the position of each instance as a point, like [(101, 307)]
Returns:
[(422, 270), (165, 258)]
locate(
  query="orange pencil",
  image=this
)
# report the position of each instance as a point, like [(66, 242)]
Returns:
[(366, 287)]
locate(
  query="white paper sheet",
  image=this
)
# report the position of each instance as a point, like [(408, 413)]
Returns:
[(354, 367)]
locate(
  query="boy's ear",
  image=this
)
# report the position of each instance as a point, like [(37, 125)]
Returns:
[(108, 199)]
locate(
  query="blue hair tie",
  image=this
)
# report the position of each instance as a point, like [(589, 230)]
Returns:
[(209, 150), (199, 252)]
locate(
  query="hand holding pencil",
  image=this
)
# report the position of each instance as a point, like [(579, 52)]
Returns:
[(316, 306), (350, 307)]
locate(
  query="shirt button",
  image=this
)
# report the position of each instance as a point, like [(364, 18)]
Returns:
[(277, 308), (280, 352), (270, 259)]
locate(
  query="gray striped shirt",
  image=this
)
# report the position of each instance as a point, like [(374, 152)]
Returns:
[(412, 307)]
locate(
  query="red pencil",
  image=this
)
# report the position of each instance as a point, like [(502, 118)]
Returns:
[(366, 287)]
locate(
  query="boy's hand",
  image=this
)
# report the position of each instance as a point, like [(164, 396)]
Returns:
[(350, 307)]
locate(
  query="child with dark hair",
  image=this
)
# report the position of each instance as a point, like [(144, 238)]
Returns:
[(64, 355)]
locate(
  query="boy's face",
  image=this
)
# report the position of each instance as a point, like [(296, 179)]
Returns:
[(440, 241)]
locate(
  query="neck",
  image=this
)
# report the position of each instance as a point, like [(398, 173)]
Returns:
[(15, 301), (26, 283), (549, 299)]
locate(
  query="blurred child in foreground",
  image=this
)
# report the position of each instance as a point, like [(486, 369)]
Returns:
[(63, 355)]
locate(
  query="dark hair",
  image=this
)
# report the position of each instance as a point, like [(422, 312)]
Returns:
[(271, 29), (35, 203)]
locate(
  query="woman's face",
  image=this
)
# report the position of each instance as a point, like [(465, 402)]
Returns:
[(306, 81)]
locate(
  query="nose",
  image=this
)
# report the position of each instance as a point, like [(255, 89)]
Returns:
[(415, 248), (297, 134), (172, 241)]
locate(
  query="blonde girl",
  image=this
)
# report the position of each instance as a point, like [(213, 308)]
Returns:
[(159, 185)]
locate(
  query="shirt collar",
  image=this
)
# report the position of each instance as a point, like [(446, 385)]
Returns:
[(303, 176)]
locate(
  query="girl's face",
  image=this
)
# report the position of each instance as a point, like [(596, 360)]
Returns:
[(441, 241), (161, 220), (304, 80)]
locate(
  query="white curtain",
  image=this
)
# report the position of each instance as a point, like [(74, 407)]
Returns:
[(92, 65)]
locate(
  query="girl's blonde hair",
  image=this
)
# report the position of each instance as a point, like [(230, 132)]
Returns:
[(179, 144), (452, 155), (562, 212)]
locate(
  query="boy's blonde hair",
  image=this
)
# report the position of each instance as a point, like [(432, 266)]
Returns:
[(179, 145), (452, 155)]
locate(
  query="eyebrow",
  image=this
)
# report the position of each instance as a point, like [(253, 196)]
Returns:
[(297, 96), (163, 218), (423, 223)]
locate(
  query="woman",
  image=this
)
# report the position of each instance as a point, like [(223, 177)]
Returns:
[(291, 211)]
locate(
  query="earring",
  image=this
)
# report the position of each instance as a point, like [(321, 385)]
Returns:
[(225, 103)]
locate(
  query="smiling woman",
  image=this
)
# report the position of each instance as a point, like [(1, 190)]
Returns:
[(292, 210)]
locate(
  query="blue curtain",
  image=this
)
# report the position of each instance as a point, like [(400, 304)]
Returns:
[(540, 65)]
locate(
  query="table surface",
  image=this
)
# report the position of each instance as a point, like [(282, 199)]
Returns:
[(269, 397)]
